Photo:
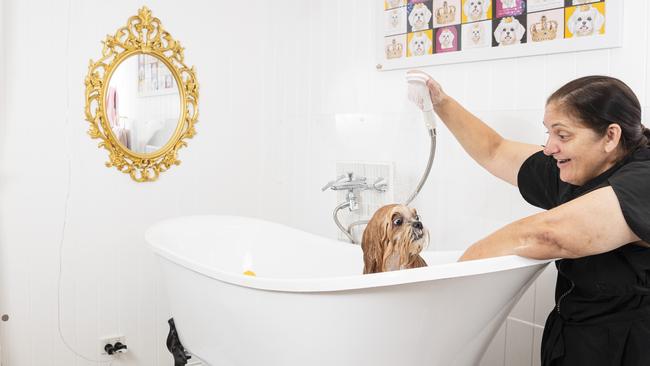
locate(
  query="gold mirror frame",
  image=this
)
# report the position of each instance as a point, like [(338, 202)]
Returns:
[(143, 34)]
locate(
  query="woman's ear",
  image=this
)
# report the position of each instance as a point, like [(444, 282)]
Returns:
[(612, 137)]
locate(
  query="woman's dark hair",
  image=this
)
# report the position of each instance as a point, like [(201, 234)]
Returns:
[(598, 101)]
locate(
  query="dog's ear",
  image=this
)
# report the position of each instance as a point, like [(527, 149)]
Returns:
[(374, 242), (418, 262), (497, 32), (427, 14), (572, 21), (599, 20), (412, 17), (520, 30), (373, 250)]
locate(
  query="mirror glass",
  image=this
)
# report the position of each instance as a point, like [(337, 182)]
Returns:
[(143, 103)]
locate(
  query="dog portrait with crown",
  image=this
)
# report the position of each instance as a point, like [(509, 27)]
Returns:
[(420, 44), (510, 31), (419, 16), (395, 21), (476, 35)]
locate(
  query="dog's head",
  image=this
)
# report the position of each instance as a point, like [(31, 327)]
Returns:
[(585, 21), (419, 17), (420, 44), (446, 38), (509, 31), (394, 18), (393, 239), (476, 9), (476, 33)]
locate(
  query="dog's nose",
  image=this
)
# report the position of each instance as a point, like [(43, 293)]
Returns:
[(417, 225)]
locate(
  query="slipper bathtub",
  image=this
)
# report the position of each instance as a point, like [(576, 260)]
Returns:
[(309, 304)]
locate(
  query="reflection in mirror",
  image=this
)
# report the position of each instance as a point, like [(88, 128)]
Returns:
[(143, 103)]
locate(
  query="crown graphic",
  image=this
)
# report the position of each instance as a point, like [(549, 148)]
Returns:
[(446, 14), (394, 50), (585, 7), (544, 30)]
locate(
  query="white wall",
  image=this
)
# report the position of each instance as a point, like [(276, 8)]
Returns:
[(108, 283), (272, 106), (2, 153), (460, 202)]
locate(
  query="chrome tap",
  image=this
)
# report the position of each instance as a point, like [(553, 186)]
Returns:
[(354, 185)]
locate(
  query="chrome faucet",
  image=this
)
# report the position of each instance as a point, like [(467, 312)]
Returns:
[(354, 185)]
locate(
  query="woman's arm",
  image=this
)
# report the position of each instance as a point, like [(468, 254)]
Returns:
[(499, 156), (588, 225)]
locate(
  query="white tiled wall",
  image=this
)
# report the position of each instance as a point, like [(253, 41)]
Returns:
[(460, 202), (272, 107)]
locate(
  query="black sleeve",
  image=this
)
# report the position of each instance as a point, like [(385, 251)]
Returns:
[(631, 184), (538, 180)]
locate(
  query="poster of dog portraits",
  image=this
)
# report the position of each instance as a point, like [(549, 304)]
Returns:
[(430, 32)]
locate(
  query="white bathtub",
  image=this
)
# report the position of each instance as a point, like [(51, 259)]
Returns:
[(310, 305)]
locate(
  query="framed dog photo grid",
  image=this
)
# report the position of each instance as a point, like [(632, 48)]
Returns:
[(412, 33)]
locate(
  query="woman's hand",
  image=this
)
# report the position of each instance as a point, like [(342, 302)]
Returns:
[(435, 90)]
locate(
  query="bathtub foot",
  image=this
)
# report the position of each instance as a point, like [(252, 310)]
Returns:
[(175, 347)]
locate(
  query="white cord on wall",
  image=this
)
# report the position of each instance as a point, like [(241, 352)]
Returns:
[(67, 196)]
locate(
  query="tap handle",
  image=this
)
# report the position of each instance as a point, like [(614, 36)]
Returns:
[(332, 183), (380, 184)]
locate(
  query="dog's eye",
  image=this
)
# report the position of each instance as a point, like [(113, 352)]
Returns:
[(589, 19), (417, 217), (397, 221)]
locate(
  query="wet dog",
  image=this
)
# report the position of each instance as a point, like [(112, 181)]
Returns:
[(393, 240)]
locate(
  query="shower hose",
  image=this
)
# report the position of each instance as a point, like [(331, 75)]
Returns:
[(348, 231)]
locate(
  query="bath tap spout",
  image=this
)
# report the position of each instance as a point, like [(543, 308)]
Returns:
[(353, 204), (338, 223)]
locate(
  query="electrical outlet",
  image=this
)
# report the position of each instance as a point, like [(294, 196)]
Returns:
[(110, 340)]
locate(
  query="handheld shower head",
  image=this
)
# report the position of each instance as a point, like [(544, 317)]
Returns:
[(418, 93)]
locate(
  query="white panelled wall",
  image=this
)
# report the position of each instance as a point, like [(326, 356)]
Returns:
[(108, 280), (272, 82), (460, 203)]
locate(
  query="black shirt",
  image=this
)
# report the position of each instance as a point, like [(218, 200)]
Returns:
[(599, 296)]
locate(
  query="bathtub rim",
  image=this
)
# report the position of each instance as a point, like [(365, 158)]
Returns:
[(339, 283)]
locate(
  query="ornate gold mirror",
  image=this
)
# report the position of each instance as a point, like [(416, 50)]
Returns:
[(141, 98)]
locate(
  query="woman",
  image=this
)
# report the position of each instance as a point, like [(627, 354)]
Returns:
[(593, 177)]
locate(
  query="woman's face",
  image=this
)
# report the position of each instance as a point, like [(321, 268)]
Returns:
[(579, 151)]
